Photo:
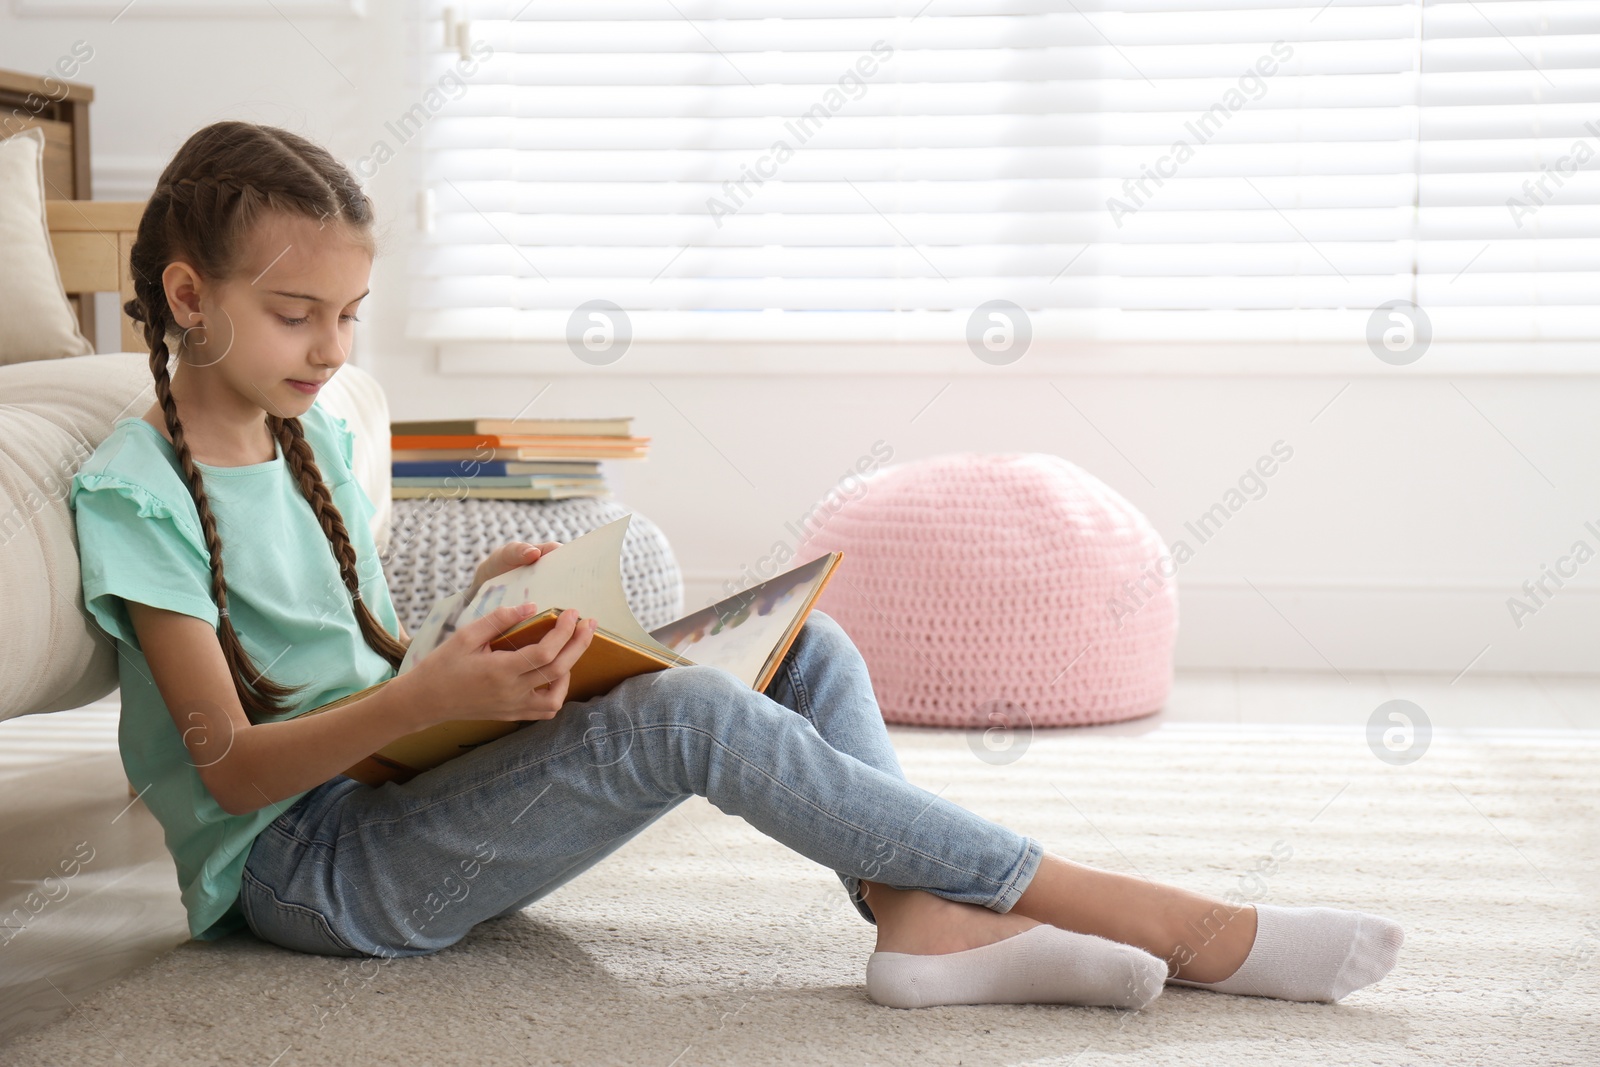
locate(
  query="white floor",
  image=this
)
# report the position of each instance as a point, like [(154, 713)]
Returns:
[(63, 796)]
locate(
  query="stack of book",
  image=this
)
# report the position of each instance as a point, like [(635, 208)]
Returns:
[(508, 459)]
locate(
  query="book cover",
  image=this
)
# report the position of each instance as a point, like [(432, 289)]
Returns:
[(610, 426), (466, 492), (507, 440), (520, 452), (747, 634), (526, 481), (467, 468)]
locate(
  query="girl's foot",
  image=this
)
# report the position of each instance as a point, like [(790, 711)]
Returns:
[(933, 951), (1311, 954), (922, 924), (1042, 965)]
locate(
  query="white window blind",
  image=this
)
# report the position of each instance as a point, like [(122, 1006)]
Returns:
[(1121, 169)]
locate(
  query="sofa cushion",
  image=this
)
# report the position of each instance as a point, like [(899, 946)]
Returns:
[(53, 414), (36, 319)]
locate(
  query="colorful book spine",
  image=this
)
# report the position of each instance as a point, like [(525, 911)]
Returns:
[(428, 492), (468, 468), (530, 481), (487, 440)]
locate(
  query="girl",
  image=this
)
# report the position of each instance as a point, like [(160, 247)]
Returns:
[(226, 546)]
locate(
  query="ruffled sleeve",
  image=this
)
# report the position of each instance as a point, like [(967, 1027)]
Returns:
[(355, 496), (333, 441), (347, 443), (134, 546)]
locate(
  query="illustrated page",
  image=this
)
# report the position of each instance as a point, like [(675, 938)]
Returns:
[(738, 634)]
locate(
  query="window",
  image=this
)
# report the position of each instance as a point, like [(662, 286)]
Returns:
[(1257, 170)]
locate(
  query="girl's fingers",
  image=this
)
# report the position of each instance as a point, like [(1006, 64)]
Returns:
[(483, 630), (574, 649), (554, 677), (540, 654), (508, 557), (550, 699)]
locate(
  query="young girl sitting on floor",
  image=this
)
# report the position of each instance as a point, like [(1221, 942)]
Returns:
[(226, 546)]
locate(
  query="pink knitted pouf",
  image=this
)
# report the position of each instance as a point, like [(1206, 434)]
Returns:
[(1002, 587)]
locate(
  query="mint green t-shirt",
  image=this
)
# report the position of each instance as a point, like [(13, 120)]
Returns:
[(139, 540)]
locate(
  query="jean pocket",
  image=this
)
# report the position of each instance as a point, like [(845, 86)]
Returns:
[(287, 924)]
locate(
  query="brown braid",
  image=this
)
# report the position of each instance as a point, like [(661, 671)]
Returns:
[(302, 461), (220, 184)]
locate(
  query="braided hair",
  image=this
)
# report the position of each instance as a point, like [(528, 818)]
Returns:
[(223, 180)]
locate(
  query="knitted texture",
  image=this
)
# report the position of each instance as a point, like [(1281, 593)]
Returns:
[(1001, 590), (436, 545)]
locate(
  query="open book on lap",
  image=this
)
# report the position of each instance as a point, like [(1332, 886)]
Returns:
[(747, 634)]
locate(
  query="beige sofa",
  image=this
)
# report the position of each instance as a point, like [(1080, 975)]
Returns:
[(53, 413)]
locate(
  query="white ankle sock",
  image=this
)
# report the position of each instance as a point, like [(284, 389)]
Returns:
[(1042, 965), (1311, 954)]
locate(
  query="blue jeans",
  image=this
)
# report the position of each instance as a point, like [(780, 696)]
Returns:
[(405, 870)]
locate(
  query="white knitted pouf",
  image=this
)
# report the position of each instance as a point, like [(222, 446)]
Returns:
[(1002, 590), (436, 545)]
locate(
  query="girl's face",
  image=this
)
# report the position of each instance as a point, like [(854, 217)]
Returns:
[(286, 316)]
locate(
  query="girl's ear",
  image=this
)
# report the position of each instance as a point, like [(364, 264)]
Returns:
[(184, 287)]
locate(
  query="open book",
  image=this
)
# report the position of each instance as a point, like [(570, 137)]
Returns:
[(747, 634)]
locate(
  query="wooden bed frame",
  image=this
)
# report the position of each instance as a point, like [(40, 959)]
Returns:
[(92, 238)]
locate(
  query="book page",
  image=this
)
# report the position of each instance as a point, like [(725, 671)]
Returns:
[(435, 629), (584, 573), (740, 633)]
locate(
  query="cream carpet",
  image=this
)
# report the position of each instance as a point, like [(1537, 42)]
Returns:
[(702, 942)]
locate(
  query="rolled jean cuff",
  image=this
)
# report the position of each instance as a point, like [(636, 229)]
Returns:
[(1021, 876), (1013, 885), (852, 886)]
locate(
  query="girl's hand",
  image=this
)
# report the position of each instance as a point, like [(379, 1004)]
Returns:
[(508, 557), (466, 679)]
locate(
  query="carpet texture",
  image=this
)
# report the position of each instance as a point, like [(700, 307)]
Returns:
[(702, 942)]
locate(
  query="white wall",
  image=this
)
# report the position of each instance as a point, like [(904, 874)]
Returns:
[(1414, 505)]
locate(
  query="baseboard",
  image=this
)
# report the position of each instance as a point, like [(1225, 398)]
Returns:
[(1322, 626), (1263, 624)]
